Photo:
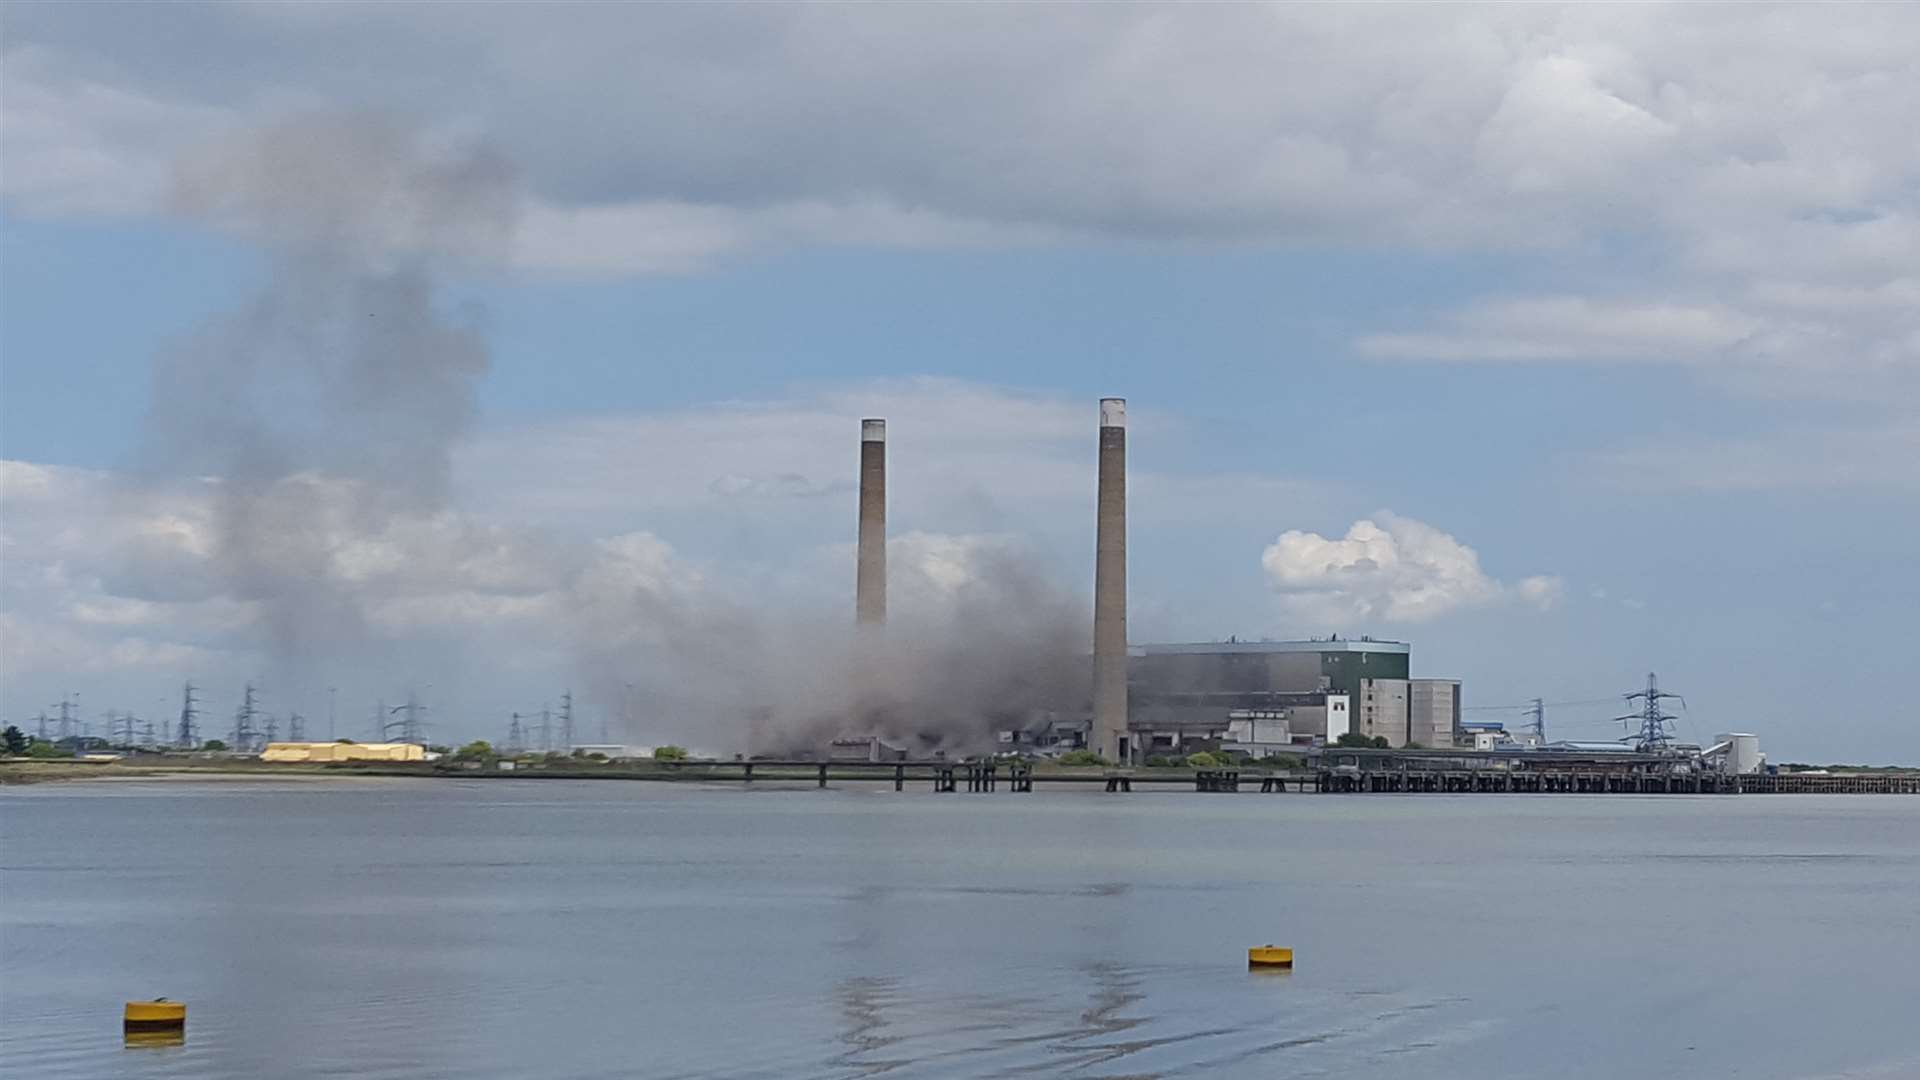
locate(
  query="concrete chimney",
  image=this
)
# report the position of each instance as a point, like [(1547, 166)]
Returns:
[(870, 591), (1109, 736)]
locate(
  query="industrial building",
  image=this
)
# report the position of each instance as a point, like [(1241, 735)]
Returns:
[(1433, 712), (1261, 696), (342, 751)]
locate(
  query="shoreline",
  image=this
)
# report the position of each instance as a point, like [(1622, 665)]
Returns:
[(26, 772), (21, 774)]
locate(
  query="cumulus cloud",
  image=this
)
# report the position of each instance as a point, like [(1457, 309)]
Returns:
[(1395, 570)]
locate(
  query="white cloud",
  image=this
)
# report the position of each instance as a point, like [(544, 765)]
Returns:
[(1397, 570), (85, 148), (1560, 128), (1571, 328), (656, 138), (1727, 155), (1542, 591)]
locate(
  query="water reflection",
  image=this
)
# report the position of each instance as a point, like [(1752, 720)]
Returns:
[(884, 1027), (863, 1003), (150, 1039), (594, 931)]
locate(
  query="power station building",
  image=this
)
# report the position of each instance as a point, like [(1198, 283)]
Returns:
[(1267, 695)]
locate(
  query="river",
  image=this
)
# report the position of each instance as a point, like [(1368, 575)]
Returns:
[(530, 928)]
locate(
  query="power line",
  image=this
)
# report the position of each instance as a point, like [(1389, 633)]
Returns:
[(1527, 705)]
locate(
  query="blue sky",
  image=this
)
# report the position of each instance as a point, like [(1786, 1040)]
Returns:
[(1606, 325)]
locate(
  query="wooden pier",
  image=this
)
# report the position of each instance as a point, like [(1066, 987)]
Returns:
[(1355, 771), (1018, 777), (1507, 782), (1832, 784)]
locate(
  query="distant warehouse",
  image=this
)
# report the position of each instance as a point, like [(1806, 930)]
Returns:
[(343, 751)]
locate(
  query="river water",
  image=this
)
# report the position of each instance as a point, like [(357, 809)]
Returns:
[(516, 928)]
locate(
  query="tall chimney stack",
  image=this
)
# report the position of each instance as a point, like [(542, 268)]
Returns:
[(1110, 589), (870, 592)]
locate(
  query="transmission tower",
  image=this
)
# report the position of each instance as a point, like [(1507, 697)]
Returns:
[(1653, 736), (66, 721), (273, 729), (409, 722), (296, 728), (244, 733), (516, 736), (546, 728), (566, 722), (1538, 720), (189, 734), (416, 728), (122, 726), (42, 720), (146, 735)]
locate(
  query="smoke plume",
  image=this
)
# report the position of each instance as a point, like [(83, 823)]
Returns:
[(328, 403), (988, 643)]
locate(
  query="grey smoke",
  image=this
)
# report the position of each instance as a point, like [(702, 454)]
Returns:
[(330, 401), (1006, 649)]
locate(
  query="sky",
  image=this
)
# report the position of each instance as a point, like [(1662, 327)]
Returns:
[(1566, 343)]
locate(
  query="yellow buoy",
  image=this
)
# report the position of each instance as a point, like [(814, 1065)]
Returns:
[(156, 1015), (1269, 956)]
